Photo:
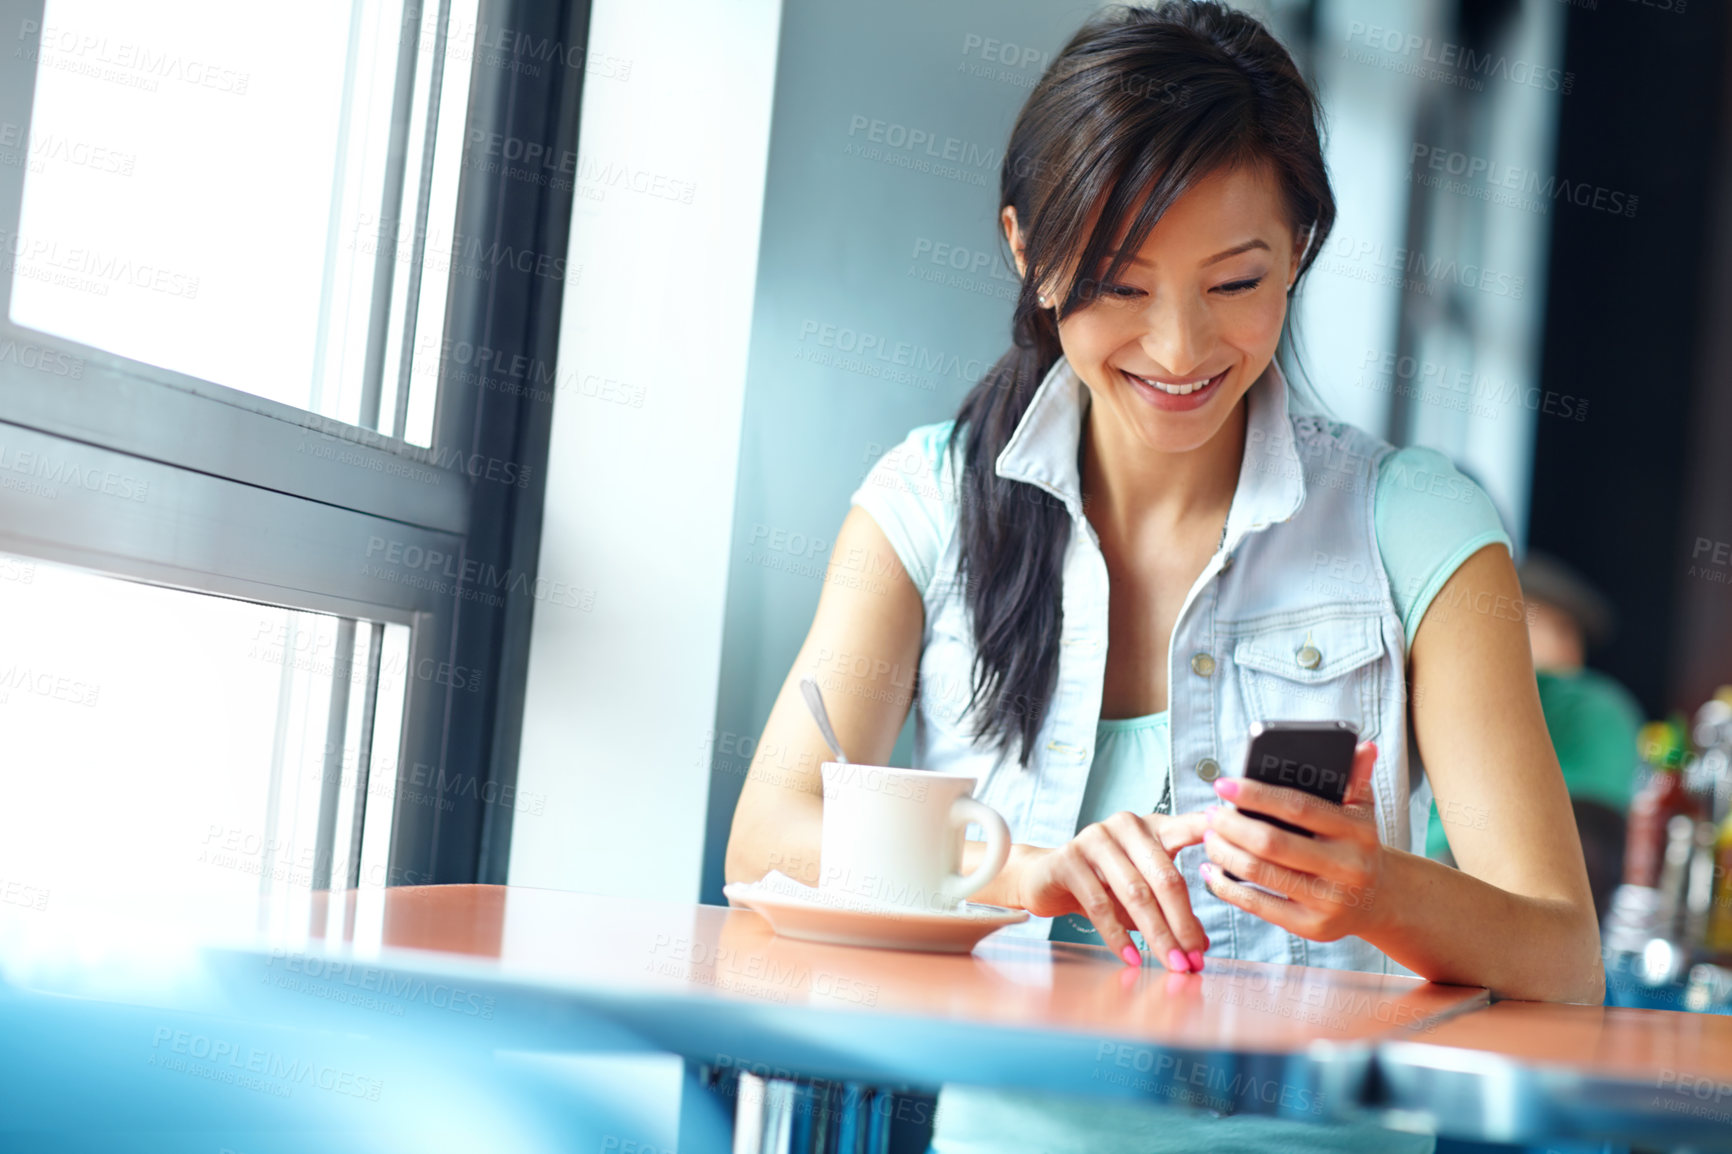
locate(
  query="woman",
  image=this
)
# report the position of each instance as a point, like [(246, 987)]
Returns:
[(1128, 546)]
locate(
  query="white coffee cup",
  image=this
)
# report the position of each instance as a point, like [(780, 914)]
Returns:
[(895, 836)]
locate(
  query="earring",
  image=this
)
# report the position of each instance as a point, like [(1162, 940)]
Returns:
[(1043, 302)]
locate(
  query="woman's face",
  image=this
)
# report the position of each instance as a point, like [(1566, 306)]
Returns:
[(1199, 308)]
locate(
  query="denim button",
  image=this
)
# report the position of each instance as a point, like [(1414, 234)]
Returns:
[(1202, 664), (1310, 656), (1208, 770), (1080, 753)]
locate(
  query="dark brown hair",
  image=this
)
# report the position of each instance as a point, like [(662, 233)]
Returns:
[(1139, 106)]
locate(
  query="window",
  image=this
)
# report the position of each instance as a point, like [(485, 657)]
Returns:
[(202, 189), (266, 547), (203, 743)]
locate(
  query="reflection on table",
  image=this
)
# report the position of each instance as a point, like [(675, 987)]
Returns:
[(402, 988)]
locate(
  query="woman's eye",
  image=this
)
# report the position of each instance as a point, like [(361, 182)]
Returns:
[(1123, 292)]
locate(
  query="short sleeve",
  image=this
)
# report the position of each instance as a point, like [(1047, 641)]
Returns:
[(1430, 517), (911, 493)]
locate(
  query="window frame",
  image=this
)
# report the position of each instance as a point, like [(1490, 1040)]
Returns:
[(236, 505)]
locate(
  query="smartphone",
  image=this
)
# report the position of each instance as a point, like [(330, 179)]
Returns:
[(1315, 757)]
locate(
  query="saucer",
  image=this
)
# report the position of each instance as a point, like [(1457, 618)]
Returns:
[(805, 913)]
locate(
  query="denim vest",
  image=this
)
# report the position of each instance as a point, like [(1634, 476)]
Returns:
[(1302, 507)]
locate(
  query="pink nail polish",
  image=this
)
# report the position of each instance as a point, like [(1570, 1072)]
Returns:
[(1131, 956), (1196, 959), (1227, 787), (1177, 962), (1207, 870)]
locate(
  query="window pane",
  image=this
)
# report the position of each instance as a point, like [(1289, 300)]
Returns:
[(158, 738), (439, 267), (205, 186), (417, 325)]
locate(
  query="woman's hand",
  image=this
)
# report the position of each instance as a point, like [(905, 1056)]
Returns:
[(1119, 873), (1332, 879)]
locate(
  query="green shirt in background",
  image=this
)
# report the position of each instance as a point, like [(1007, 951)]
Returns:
[(1593, 722)]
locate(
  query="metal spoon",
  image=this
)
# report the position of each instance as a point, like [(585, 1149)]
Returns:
[(815, 702)]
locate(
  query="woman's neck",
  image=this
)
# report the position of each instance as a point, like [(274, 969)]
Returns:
[(1132, 491)]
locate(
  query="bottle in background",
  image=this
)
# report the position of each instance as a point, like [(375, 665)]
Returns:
[(1720, 909), (1713, 734), (1662, 796)]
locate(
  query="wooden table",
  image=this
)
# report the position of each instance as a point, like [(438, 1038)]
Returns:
[(794, 1031), (1535, 1071), (798, 1038)]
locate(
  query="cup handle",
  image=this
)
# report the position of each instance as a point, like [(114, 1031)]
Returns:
[(963, 810)]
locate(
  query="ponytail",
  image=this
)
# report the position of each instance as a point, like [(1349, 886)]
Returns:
[(1014, 538)]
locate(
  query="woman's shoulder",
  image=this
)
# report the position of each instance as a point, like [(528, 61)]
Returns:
[(920, 468), (1331, 443), (1410, 479), (1430, 517), (911, 491), (1422, 490)]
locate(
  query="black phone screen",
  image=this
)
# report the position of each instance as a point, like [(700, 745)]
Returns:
[(1315, 757)]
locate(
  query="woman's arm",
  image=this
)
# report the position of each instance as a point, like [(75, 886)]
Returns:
[(1517, 917), (864, 648)]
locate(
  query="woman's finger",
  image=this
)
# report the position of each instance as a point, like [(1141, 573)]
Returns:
[(1249, 867), (1155, 862), (1175, 833), (1078, 874), (1139, 897), (1359, 792), (1320, 875), (1288, 915), (1324, 818), (1257, 838)]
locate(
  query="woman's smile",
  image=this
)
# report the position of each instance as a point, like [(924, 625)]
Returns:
[(1175, 396)]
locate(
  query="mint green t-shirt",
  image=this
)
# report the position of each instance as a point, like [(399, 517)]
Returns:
[(1422, 546)]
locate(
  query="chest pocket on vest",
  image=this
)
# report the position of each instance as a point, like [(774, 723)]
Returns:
[(1316, 667)]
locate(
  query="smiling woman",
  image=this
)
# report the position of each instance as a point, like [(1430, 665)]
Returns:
[(1208, 551), (1210, 302)]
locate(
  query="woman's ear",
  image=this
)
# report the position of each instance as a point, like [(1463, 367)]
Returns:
[(1013, 234), (1301, 247)]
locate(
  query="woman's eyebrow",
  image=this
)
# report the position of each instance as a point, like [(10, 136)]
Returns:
[(1245, 246)]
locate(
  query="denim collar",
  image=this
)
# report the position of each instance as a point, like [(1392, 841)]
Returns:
[(1043, 450)]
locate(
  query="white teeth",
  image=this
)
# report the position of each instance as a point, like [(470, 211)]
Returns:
[(1171, 390)]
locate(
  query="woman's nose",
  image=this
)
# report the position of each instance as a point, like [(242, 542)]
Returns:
[(1178, 335)]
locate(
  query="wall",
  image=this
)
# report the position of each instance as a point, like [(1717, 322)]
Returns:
[(646, 424), (881, 297)]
